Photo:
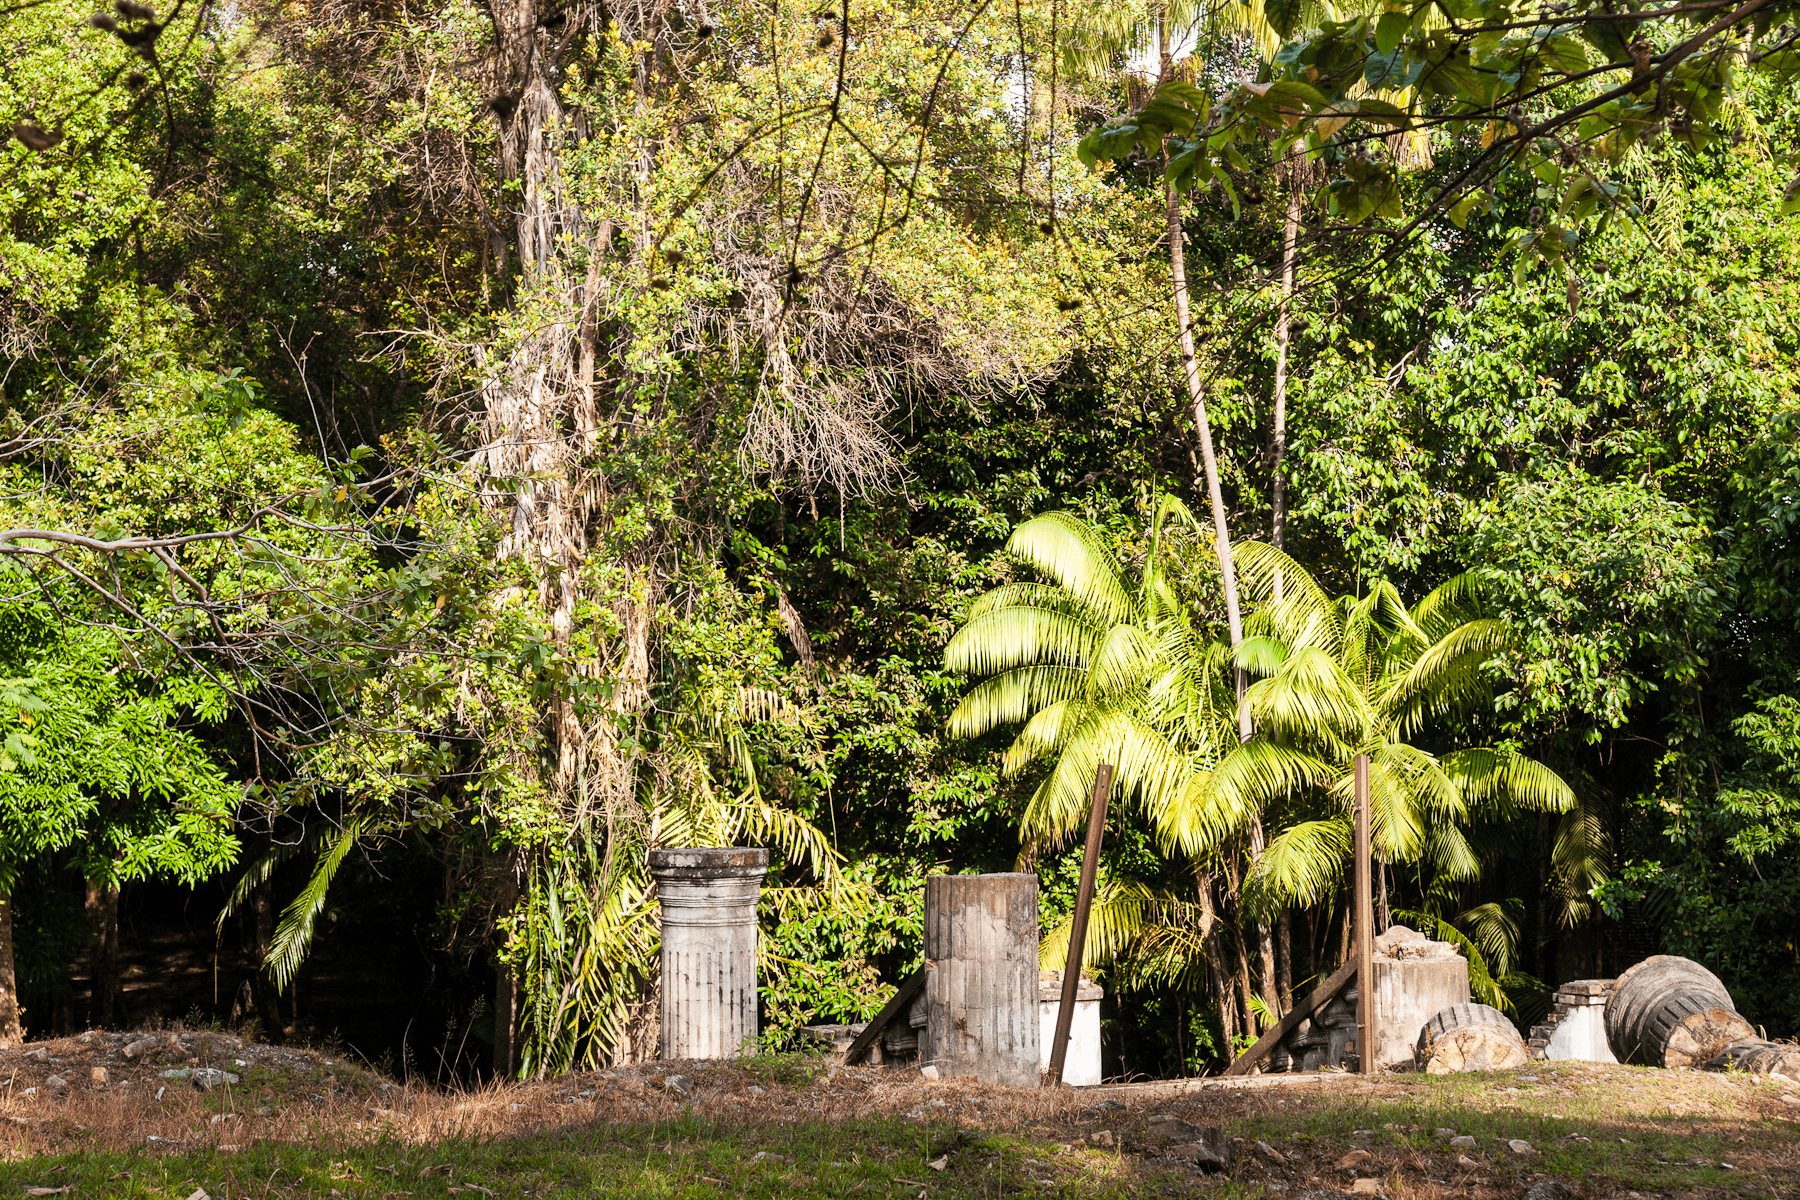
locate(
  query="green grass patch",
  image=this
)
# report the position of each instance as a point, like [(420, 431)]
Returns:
[(680, 1159)]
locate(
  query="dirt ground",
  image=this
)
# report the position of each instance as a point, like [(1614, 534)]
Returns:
[(1596, 1132)]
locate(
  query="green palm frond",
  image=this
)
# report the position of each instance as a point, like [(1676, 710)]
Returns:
[(1123, 658), (1305, 614), (1014, 695), (1311, 698), (1067, 550), (293, 936), (1454, 602), (1261, 655), (1447, 677), (1580, 860), (1501, 780), (255, 875), (1303, 864), (1448, 851), (1019, 636), (1045, 734), (1034, 595), (1145, 767), (1494, 928)]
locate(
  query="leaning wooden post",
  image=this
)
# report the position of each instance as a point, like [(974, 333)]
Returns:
[(1084, 899), (1365, 926)]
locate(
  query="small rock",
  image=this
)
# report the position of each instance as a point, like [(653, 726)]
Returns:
[(769, 1156), (160, 1091), (98, 1075), (1526, 1078), (1465, 1142), (1365, 1187), (1467, 1163), (198, 1194), (514, 1107), (1175, 1129), (1443, 1133), (175, 1073), (755, 1091), (29, 1092), (1520, 1146), (56, 1083), (1550, 1189), (208, 1078), (262, 1110), (1107, 1106), (929, 1072), (141, 1046), (1102, 1138), (681, 1085), (1350, 1161), (1790, 1099), (1211, 1154), (38, 1055), (1362, 1133), (1271, 1152)]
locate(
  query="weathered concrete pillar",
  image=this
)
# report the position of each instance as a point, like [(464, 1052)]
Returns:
[(708, 948), (1415, 978), (981, 977)]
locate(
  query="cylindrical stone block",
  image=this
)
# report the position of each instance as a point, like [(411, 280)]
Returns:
[(708, 948), (981, 977)]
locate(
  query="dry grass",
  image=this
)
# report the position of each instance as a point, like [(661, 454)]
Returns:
[(305, 1123)]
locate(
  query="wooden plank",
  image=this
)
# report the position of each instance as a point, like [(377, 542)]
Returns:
[(894, 1007), (1365, 925), (1084, 899), (1306, 1008)]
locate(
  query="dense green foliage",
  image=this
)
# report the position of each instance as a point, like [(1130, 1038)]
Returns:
[(538, 468)]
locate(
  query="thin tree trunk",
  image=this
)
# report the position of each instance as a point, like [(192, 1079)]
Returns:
[(12, 1017), (506, 981), (1382, 920), (262, 988), (1290, 237), (1234, 620), (102, 904), (1210, 927), (1284, 959)]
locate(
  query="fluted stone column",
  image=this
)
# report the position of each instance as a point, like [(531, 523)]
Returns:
[(981, 977), (708, 948)]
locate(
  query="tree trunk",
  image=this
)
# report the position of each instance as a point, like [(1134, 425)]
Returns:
[(506, 980), (1290, 236), (1284, 959), (262, 988), (103, 952), (12, 1017)]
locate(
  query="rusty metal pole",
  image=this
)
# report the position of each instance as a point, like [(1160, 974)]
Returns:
[(1084, 899), (1364, 915)]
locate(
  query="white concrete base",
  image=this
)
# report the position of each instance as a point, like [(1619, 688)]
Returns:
[(1081, 1065), (1580, 1035)]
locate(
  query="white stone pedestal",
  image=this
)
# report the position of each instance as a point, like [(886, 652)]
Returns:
[(1081, 1065), (708, 948), (981, 978)]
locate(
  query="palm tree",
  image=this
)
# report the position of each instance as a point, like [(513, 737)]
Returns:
[(1095, 666), (1363, 676)]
